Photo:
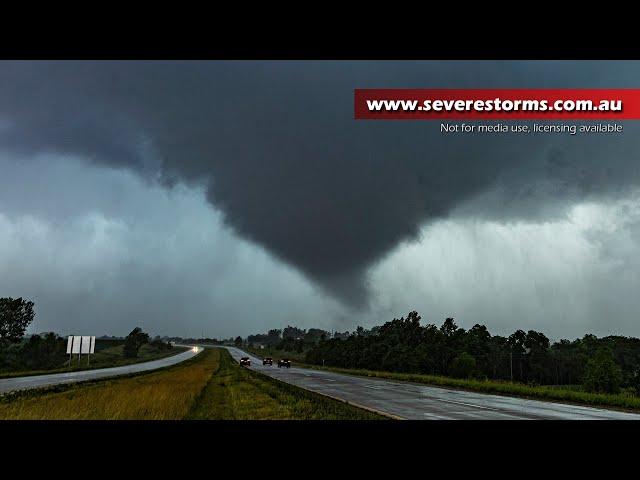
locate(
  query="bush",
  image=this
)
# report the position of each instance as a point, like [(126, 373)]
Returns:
[(602, 374), (10, 356), (37, 352), (463, 366), (160, 345)]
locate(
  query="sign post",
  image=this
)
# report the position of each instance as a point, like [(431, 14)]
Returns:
[(78, 344), (69, 348)]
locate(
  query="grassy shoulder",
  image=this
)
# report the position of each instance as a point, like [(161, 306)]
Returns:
[(105, 358), (210, 386)]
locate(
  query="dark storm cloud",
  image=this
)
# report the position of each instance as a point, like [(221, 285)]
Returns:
[(277, 148)]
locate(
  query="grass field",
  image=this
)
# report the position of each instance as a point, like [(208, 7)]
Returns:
[(210, 386), (104, 358)]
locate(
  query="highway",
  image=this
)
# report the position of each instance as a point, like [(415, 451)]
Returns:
[(412, 401), (40, 381)]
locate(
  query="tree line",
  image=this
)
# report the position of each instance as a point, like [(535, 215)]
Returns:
[(289, 339)]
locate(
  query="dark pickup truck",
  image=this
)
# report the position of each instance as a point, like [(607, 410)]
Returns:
[(284, 362), (267, 361), (245, 361)]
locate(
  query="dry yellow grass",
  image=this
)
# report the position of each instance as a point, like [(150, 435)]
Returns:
[(164, 395)]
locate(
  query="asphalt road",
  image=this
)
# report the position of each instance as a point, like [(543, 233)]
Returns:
[(39, 381), (420, 402)]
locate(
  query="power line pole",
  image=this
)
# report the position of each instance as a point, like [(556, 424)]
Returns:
[(511, 361)]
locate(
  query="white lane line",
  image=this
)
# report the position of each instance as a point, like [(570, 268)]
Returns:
[(374, 387), (469, 405), (436, 417)]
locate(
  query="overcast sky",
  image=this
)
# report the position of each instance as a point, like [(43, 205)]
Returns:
[(226, 198)]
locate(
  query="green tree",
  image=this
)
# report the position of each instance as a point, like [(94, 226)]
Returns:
[(238, 341), (43, 351), (537, 345), (273, 336), (635, 382), (463, 366), (602, 374), (453, 343), (15, 316), (134, 341), (517, 341), (314, 335), (293, 332), (478, 343)]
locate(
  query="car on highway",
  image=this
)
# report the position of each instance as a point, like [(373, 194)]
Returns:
[(245, 361), (284, 362), (267, 361)]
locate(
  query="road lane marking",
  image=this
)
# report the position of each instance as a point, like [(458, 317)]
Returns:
[(375, 387), (466, 404), (436, 416)]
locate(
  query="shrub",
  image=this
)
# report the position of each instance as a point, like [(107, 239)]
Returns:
[(602, 374), (463, 366), (160, 345)]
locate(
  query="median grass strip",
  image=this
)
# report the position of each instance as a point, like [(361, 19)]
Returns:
[(235, 393), (210, 386)]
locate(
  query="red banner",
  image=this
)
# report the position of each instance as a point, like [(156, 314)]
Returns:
[(497, 104)]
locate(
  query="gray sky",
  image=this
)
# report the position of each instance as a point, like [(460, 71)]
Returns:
[(226, 198)]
